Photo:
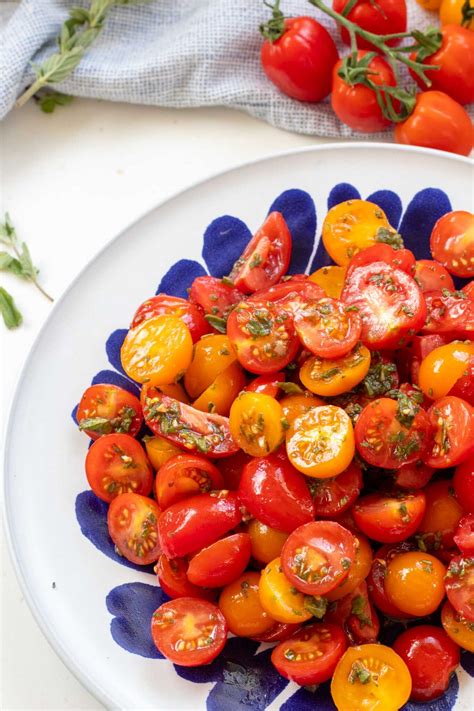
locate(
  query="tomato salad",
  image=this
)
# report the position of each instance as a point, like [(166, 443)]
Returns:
[(308, 465)]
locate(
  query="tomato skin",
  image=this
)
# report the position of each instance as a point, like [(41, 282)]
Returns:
[(457, 628), (357, 105), (299, 62), (397, 258), (330, 279), (231, 468), (327, 329), (183, 476), (189, 525), (173, 580), (132, 523), (356, 614), (437, 122), (240, 604), (414, 583), (449, 313), (116, 464), (469, 289), (442, 515), (213, 296), (432, 276), (267, 384), (415, 475), (280, 632), (190, 313), (459, 583), (170, 627), (444, 367), (275, 493), (222, 562), (107, 409), (389, 519), (464, 536), (463, 483), (387, 17), (452, 421), (323, 637), (451, 12), (159, 450), (359, 569), (334, 496), (281, 600), (378, 574), (452, 237), (212, 356), (255, 422), (266, 542), (431, 657), (290, 293)]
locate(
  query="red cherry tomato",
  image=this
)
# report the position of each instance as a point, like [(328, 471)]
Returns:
[(414, 475), (389, 518), (266, 257), (132, 522), (452, 421), (275, 493), (432, 276), (222, 562), (231, 468), (214, 296), (463, 483), (437, 122), (116, 464), (397, 258), (300, 61), (469, 290), (431, 657), (449, 313), (378, 573), (464, 536), (189, 525), (107, 408), (334, 496), (267, 384), (452, 241), (189, 632), (185, 475), (459, 583), (327, 328), (191, 314), (174, 581), (317, 556), (381, 18), (280, 632), (291, 293), (357, 616), (311, 654), (390, 303)]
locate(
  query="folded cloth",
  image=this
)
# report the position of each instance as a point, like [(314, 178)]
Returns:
[(174, 53)]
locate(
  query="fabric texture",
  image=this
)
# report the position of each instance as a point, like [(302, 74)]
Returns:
[(173, 53)]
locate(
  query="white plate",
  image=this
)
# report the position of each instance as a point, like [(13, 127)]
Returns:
[(44, 465)]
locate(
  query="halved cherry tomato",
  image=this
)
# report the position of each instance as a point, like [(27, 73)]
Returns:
[(159, 450), (370, 676), (358, 570), (414, 583), (256, 423), (336, 376), (378, 574), (327, 328), (222, 562), (452, 420), (442, 515), (310, 656), (469, 289), (281, 600), (459, 583), (189, 632), (212, 355), (266, 384), (219, 396), (320, 443), (452, 242), (330, 279), (334, 496), (397, 258), (189, 525), (290, 293), (409, 359), (263, 336), (191, 314), (278, 633), (317, 556), (449, 312), (188, 428), (457, 627), (173, 580), (266, 541), (431, 657), (443, 367), (464, 386), (357, 616), (266, 257), (389, 518), (275, 493), (174, 390), (116, 464), (186, 475), (132, 521), (240, 604), (104, 409), (415, 475), (390, 303), (463, 483), (464, 536), (231, 468), (432, 276), (295, 405), (386, 17), (214, 296)]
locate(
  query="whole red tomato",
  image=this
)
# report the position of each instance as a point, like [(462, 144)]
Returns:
[(300, 61), (382, 17), (455, 59), (356, 105), (437, 121)]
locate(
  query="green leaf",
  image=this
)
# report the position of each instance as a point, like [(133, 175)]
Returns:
[(58, 67), (96, 424), (7, 231), (10, 264), (28, 268), (11, 316), (316, 605), (290, 388), (48, 102), (220, 324)]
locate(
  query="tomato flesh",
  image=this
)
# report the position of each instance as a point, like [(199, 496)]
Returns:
[(327, 328), (185, 475), (190, 313), (459, 583), (132, 521), (334, 496), (387, 518), (104, 409)]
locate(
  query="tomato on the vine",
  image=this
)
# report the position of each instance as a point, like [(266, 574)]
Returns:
[(116, 464), (104, 409), (381, 18)]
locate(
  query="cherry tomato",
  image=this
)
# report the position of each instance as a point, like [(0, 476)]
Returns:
[(452, 420), (463, 483), (281, 600), (186, 475), (356, 105), (414, 583), (469, 289), (275, 493), (214, 296), (263, 336), (310, 656), (378, 574), (278, 633), (132, 522), (385, 17), (174, 581), (452, 238), (451, 313), (212, 356), (295, 405), (452, 12), (335, 376), (220, 563), (397, 258), (441, 517), (327, 328), (357, 616), (389, 518), (300, 60), (464, 536), (256, 423), (231, 469), (174, 390), (370, 676), (190, 314), (188, 428), (443, 367), (159, 450), (431, 657), (289, 294), (188, 631), (240, 604), (267, 384), (330, 279), (116, 464), (266, 257), (189, 525), (437, 121), (390, 303), (266, 542), (429, 4), (414, 475), (459, 583), (320, 443), (104, 409), (459, 629), (357, 572), (334, 496), (219, 396), (390, 434), (317, 556), (432, 276)]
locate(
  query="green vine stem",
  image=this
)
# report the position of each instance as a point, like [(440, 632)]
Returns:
[(275, 27), (467, 11)]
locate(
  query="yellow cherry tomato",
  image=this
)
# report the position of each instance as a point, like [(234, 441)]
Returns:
[(429, 4), (255, 422), (321, 442), (415, 583), (157, 351), (174, 390), (441, 368), (334, 376), (451, 13), (279, 598), (219, 396), (295, 405), (240, 604), (370, 677), (358, 571), (266, 542), (458, 628), (159, 450), (331, 279), (354, 225), (212, 355)]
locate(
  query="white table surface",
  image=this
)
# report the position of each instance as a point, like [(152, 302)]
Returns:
[(71, 181)]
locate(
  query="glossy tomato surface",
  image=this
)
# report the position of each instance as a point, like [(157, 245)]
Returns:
[(132, 521), (222, 562), (104, 409)]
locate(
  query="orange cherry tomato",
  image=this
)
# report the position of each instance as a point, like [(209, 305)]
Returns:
[(458, 628), (358, 571), (159, 450), (256, 423), (266, 542), (174, 390), (442, 515), (240, 604), (212, 355), (219, 396), (415, 583), (331, 279), (452, 242), (282, 601), (335, 376), (186, 475), (451, 12), (429, 4), (442, 368), (295, 405)]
